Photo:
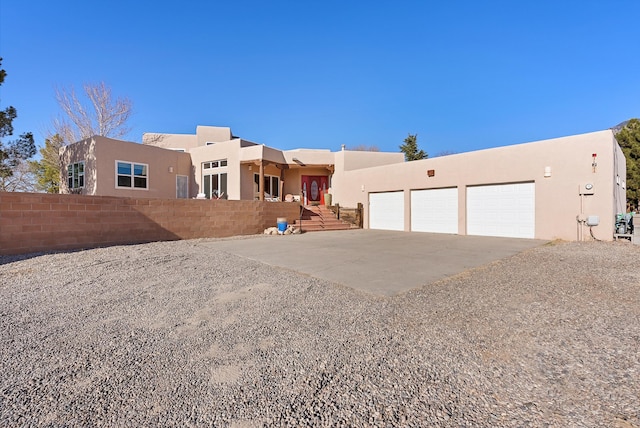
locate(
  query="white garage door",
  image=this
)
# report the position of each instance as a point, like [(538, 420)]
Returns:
[(386, 211), (501, 210), (434, 210)]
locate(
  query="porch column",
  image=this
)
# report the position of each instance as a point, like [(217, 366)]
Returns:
[(282, 183), (261, 182)]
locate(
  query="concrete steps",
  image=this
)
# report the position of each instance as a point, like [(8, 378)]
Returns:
[(320, 218)]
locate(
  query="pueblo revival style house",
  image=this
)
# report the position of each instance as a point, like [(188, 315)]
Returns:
[(564, 188)]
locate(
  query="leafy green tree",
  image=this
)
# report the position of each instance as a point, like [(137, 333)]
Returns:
[(12, 153), (629, 139), (410, 149), (47, 170)]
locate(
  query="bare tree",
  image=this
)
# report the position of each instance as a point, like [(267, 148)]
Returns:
[(93, 113), (445, 153), (365, 148), (153, 139), (22, 179)]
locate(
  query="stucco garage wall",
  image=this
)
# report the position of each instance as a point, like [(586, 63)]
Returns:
[(31, 222), (362, 159), (557, 197)]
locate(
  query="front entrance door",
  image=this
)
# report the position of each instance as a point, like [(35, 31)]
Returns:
[(313, 186)]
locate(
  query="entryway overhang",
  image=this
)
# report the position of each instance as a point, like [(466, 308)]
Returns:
[(262, 164)]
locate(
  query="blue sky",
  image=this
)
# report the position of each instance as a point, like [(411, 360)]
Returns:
[(463, 75)]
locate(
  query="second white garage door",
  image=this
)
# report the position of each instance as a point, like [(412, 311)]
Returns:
[(434, 210), (501, 210), (386, 211)]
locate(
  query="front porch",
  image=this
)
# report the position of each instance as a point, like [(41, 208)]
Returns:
[(277, 181)]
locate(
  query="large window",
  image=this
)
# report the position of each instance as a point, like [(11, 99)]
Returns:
[(75, 175), (214, 164), (214, 179), (271, 185), (132, 175)]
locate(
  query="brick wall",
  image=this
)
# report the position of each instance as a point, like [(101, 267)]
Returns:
[(32, 222)]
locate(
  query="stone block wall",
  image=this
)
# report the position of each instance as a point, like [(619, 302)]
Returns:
[(33, 222)]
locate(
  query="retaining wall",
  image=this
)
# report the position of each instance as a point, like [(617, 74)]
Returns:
[(33, 222)]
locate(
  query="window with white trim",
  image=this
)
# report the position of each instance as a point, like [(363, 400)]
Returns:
[(75, 175), (214, 164), (271, 185), (214, 179), (132, 175)]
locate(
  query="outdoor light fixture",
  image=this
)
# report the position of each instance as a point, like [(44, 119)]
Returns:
[(547, 171), (586, 189)]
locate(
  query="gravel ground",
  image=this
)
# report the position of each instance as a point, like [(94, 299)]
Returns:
[(177, 334)]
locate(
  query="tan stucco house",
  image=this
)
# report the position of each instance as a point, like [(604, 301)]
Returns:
[(565, 188), (107, 167)]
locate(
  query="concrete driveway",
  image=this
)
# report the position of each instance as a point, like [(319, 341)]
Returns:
[(379, 262)]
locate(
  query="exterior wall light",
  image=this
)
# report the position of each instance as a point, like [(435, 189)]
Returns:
[(547, 171)]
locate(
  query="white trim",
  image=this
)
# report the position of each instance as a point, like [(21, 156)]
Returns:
[(73, 175), (132, 187), (206, 179), (271, 177), (219, 166)]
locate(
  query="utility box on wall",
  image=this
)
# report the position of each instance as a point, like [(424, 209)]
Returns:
[(593, 220)]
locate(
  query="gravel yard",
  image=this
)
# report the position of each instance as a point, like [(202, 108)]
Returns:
[(180, 334)]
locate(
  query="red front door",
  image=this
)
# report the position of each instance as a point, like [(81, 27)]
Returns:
[(313, 186)]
